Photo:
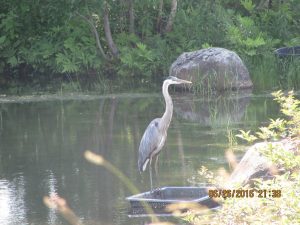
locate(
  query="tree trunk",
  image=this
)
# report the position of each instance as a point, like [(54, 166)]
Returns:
[(111, 45), (270, 4), (159, 17), (172, 16), (94, 30), (131, 16)]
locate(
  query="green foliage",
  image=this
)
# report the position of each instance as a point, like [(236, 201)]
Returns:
[(248, 5), (137, 61), (283, 209), (78, 53), (280, 22), (262, 28), (52, 39), (293, 42), (267, 210), (208, 20), (279, 128), (206, 45), (9, 40), (290, 107), (283, 158), (265, 72), (247, 38), (247, 136)]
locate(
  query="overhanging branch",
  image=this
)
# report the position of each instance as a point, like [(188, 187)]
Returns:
[(94, 30)]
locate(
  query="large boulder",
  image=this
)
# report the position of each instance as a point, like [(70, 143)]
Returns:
[(214, 68)]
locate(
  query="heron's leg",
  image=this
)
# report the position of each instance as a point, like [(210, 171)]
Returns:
[(156, 165), (157, 181), (150, 171)]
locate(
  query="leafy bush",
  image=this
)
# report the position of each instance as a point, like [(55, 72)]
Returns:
[(9, 42), (137, 61), (78, 52), (246, 36)]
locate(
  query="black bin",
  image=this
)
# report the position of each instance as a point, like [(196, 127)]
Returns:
[(159, 198)]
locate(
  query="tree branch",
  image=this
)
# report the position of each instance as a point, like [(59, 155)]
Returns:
[(109, 39), (159, 17), (94, 30), (131, 16)]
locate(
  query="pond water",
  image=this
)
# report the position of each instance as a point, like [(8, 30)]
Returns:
[(43, 139)]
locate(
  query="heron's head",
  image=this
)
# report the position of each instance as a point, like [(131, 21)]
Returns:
[(175, 80)]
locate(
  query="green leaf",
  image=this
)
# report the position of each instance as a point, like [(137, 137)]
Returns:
[(248, 5), (13, 61), (2, 40)]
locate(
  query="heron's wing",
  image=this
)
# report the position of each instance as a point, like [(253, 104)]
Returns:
[(149, 143)]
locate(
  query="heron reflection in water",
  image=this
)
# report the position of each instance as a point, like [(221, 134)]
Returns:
[(155, 135)]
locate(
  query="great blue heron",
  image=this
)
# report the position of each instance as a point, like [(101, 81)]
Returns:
[(156, 133)]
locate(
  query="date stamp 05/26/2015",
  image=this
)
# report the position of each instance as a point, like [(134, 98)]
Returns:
[(244, 193)]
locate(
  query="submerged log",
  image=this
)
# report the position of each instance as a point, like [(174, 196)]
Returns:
[(254, 164)]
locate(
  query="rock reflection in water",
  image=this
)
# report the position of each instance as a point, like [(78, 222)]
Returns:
[(213, 111)]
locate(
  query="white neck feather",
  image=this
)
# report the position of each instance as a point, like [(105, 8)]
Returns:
[(166, 118)]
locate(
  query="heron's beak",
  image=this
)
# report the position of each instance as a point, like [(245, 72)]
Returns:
[(184, 81)]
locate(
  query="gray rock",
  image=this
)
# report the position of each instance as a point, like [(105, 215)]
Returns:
[(214, 68), (255, 165)]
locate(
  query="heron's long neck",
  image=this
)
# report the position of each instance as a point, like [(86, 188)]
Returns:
[(166, 118)]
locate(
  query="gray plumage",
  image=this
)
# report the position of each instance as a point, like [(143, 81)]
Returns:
[(151, 143), (155, 134)]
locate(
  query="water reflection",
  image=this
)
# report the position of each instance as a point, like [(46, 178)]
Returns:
[(12, 201), (5, 197), (220, 110), (42, 145)]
